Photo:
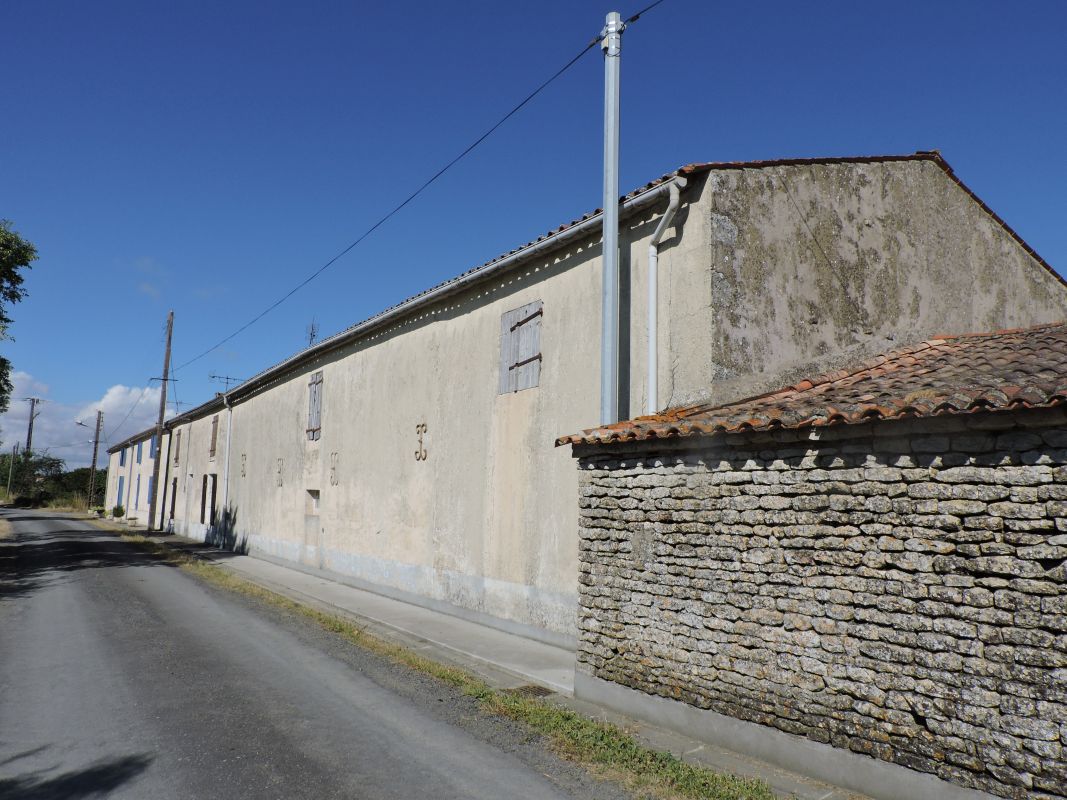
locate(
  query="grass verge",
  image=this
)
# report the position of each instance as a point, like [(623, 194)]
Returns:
[(5, 528), (604, 749)]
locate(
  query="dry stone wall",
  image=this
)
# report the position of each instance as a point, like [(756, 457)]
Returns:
[(898, 589)]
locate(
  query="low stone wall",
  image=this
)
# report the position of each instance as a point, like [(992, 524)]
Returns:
[(897, 589)]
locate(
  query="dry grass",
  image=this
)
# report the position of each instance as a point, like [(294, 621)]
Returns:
[(5, 528), (69, 502), (604, 749)]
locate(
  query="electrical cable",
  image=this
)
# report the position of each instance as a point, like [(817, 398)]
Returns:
[(637, 16), (593, 43), (136, 403)]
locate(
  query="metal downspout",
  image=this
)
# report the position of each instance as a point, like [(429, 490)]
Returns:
[(676, 187)]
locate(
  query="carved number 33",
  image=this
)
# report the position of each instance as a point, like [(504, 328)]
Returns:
[(420, 453)]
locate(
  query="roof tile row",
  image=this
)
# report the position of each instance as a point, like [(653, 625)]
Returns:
[(1020, 368)]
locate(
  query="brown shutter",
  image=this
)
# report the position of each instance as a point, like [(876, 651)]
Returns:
[(520, 348), (314, 429)]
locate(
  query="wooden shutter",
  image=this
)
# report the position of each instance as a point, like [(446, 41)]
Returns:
[(214, 434), (214, 490), (314, 429), (520, 348), (177, 445)]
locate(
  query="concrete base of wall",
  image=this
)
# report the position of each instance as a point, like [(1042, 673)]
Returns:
[(526, 631), (295, 557), (860, 773)]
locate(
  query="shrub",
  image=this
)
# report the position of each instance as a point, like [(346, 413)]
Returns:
[(118, 511)]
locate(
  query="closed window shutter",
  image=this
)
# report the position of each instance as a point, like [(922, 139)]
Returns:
[(214, 435), (520, 348), (507, 351), (314, 429), (177, 445)]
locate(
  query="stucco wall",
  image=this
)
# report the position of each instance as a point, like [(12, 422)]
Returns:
[(816, 266), (896, 589), (194, 462), (487, 521)]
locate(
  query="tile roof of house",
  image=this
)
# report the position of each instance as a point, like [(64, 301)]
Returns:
[(133, 439), (951, 374)]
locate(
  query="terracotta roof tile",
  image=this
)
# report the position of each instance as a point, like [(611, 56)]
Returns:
[(1019, 368)]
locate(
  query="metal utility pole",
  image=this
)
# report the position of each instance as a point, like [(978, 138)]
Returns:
[(611, 43), (96, 445), (33, 401), (159, 431)]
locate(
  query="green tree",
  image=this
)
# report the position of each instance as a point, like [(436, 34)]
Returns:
[(34, 477), (16, 254), (74, 482)]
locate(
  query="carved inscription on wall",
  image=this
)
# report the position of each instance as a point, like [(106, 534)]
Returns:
[(244, 465), (420, 451), (334, 458), (278, 472)]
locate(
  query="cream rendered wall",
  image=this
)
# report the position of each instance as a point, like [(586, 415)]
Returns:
[(814, 267), (487, 522), (194, 462), (136, 507), (113, 471)]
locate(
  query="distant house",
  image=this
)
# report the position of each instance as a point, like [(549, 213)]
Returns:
[(412, 453), (129, 475), (869, 563)]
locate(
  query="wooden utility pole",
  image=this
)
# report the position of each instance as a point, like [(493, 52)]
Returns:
[(33, 401), (159, 432), (96, 444), (11, 468)]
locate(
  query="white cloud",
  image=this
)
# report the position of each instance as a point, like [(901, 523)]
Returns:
[(150, 289), (127, 410), (147, 265)]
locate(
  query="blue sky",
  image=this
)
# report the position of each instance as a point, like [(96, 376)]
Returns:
[(206, 157)]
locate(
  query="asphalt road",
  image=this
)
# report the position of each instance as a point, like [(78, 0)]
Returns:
[(124, 677)]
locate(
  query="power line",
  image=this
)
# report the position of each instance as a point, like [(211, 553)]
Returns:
[(136, 403), (637, 16), (396, 209), (433, 178)]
